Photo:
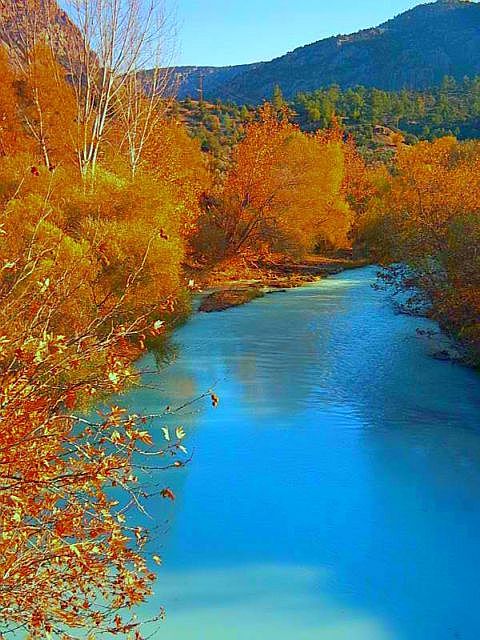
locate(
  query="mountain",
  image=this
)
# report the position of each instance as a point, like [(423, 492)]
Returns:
[(414, 50), (189, 81), (23, 22)]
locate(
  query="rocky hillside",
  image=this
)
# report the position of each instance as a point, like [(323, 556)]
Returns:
[(413, 50), (22, 22)]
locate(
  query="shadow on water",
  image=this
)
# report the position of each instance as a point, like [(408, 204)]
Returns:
[(334, 494)]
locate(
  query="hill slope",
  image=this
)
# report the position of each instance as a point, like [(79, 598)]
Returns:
[(22, 22), (414, 50)]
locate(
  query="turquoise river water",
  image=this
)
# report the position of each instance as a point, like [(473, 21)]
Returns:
[(334, 494)]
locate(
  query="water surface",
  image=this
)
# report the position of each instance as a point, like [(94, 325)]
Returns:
[(334, 494)]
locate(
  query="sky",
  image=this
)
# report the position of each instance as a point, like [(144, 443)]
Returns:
[(227, 32)]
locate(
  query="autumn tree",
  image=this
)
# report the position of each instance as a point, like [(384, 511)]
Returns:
[(312, 211), (49, 108), (176, 160), (83, 288), (104, 46), (141, 108), (71, 560), (426, 221), (88, 279), (117, 40), (282, 192)]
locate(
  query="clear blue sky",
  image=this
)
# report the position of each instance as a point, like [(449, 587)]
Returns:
[(223, 32)]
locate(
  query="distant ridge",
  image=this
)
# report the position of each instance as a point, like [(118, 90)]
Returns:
[(414, 50)]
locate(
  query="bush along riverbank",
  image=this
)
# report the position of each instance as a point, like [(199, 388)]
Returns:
[(424, 224)]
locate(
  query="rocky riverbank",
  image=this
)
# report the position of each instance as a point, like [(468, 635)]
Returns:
[(233, 284)]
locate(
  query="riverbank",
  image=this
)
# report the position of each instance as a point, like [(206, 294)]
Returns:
[(238, 282)]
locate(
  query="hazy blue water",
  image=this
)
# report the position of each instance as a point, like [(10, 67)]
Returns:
[(334, 493)]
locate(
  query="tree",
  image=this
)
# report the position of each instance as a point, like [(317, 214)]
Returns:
[(70, 558), (117, 39), (103, 50), (49, 108), (88, 279), (426, 221), (282, 192), (176, 160), (278, 100)]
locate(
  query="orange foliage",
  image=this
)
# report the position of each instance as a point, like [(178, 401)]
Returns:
[(69, 559), (89, 273), (176, 160), (12, 139), (170, 157), (427, 216), (283, 192), (49, 108), (81, 288), (435, 184)]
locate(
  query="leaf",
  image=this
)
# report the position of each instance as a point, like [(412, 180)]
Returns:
[(166, 434), (180, 433), (168, 494), (70, 399), (145, 437), (44, 285), (157, 560), (113, 377)]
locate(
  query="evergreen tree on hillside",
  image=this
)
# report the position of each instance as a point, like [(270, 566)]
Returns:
[(278, 100)]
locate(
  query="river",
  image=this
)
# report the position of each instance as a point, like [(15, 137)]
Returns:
[(334, 493)]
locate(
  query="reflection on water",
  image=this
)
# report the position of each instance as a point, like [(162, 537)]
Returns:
[(334, 494), (258, 602)]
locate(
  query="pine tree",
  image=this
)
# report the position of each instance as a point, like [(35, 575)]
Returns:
[(278, 100)]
